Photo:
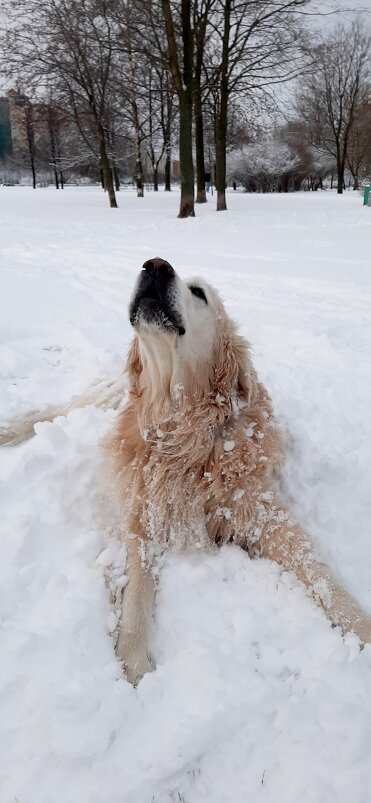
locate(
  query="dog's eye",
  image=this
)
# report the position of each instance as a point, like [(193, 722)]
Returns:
[(198, 291)]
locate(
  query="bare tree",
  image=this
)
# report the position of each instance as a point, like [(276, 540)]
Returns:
[(180, 55), (23, 120), (127, 28), (359, 145), (68, 44), (202, 10), (329, 96), (254, 45), (160, 96), (51, 121), (143, 92)]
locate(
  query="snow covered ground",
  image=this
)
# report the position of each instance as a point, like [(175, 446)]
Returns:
[(255, 697)]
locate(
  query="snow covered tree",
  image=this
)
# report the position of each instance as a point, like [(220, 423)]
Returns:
[(263, 166)]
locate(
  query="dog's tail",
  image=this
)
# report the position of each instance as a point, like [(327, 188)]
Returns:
[(103, 395)]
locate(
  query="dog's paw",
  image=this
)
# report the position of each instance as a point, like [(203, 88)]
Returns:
[(363, 630), (137, 668), (134, 658)]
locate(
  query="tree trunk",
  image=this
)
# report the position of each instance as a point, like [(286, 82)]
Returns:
[(183, 84), (32, 161), (106, 168), (138, 169), (116, 178), (31, 143), (167, 140), (155, 178), (340, 172), (187, 193), (222, 115), (53, 155), (187, 189), (168, 169), (136, 123), (33, 172), (220, 164), (138, 156), (200, 33), (154, 158), (200, 154), (61, 177)]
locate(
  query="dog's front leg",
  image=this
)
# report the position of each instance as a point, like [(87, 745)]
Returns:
[(291, 548), (137, 606)]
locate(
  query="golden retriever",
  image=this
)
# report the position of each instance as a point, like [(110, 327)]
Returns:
[(196, 452)]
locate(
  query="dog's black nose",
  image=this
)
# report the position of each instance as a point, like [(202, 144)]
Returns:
[(159, 267)]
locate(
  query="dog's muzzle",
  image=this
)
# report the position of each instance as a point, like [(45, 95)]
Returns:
[(155, 297)]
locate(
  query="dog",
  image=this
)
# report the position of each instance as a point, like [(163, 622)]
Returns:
[(196, 454)]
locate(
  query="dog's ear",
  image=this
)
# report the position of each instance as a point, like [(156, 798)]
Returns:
[(246, 377), (234, 368), (245, 374), (134, 367)]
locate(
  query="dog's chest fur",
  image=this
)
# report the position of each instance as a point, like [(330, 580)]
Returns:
[(203, 473)]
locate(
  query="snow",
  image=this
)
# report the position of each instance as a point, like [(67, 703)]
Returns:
[(255, 697)]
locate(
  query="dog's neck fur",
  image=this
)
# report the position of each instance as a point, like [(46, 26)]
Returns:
[(160, 367), (165, 385), (167, 381)]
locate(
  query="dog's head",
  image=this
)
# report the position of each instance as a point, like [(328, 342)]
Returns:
[(164, 309), (184, 338)]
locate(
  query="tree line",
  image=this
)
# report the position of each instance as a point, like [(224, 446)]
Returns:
[(114, 82)]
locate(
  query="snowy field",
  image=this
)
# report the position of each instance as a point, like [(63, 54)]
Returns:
[(255, 697)]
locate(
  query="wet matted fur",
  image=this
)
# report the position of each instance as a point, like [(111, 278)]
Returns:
[(195, 453)]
